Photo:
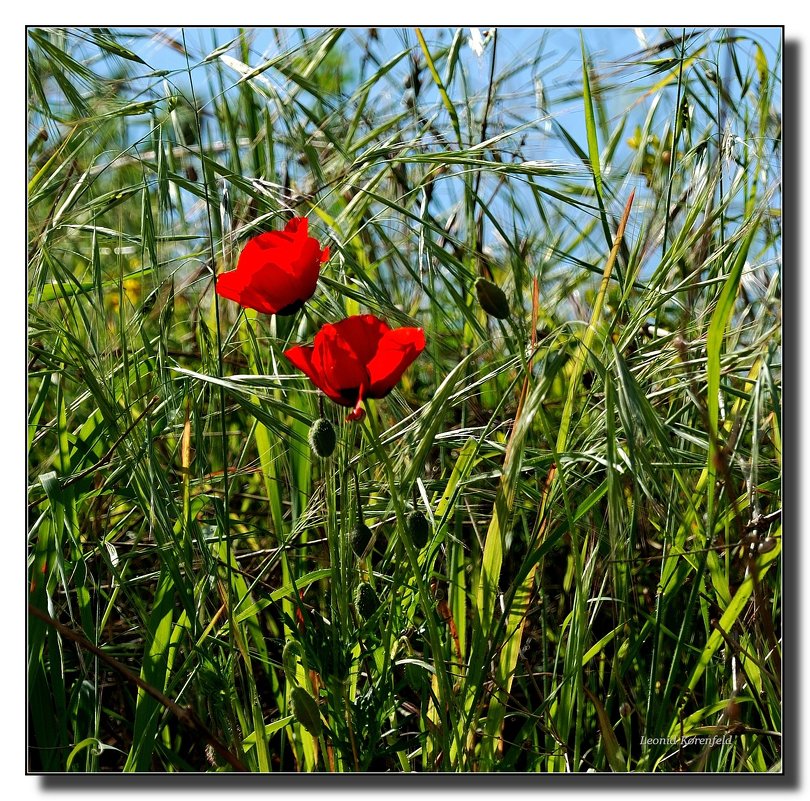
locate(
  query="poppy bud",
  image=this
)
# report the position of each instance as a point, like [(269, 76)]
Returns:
[(360, 538), (322, 438), (418, 529), (289, 658), (366, 600), (492, 299), (305, 711)]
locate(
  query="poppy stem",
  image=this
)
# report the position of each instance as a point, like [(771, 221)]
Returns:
[(357, 496), (425, 598)]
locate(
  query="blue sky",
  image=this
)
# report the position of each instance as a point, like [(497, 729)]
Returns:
[(554, 51)]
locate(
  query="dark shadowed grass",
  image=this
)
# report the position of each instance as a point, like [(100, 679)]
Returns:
[(601, 470)]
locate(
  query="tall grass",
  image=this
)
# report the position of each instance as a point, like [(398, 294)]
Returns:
[(601, 470)]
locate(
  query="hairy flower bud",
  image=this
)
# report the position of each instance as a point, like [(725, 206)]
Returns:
[(418, 529), (322, 438), (289, 658), (366, 600), (360, 538), (305, 711), (492, 299)]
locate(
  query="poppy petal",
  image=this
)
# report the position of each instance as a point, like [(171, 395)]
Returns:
[(263, 250), (303, 261), (396, 352), (338, 364), (280, 288), (363, 333), (232, 285), (296, 224), (301, 357)]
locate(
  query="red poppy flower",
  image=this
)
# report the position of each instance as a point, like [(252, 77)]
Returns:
[(359, 357), (277, 271)]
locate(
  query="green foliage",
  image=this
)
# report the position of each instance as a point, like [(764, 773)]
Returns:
[(594, 428)]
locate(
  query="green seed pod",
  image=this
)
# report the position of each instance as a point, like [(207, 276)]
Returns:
[(366, 600), (322, 438), (418, 528), (305, 711), (360, 538), (492, 299)]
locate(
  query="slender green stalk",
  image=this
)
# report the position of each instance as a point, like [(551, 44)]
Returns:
[(673, 150)]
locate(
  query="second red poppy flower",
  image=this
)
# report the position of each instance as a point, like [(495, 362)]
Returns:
[(357, 358)]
